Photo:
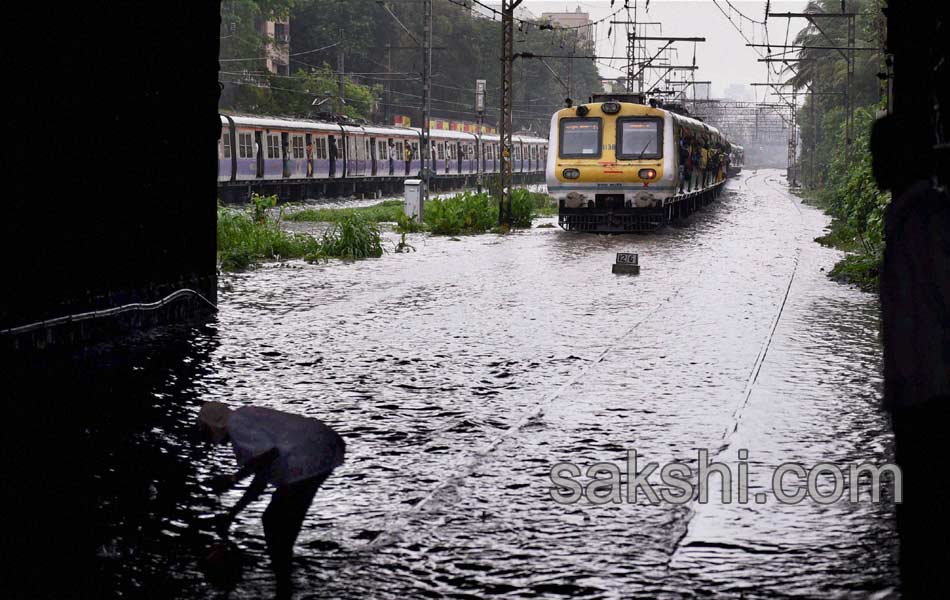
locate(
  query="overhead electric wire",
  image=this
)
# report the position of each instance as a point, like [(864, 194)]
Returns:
[(266, 57)]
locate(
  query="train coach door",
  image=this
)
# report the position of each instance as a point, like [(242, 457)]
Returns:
[(259, 152), (308, 144), (367, 154), (372, 156)]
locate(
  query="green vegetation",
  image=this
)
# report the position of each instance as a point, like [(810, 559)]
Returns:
[(466, 212), (470, 212), (350, 237), (243, 240), (389, 211), (250, 87), (247, 237), (843, 185), (862, 270)]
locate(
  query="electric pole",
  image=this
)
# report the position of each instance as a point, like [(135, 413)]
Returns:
[(426, 97), (504, 118), (480, 85), (847, 52)]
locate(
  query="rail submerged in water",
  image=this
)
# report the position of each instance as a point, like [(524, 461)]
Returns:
[(632, 220)]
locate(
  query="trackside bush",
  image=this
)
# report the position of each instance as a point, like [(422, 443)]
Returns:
[(352, 237), (243, 240)]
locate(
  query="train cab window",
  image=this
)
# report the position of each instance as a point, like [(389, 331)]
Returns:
[(297, 146), (245, 146), (273, 146), (639, 137), (226, 145), (580, 137)]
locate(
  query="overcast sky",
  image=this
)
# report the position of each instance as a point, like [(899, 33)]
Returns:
[(722, 59)]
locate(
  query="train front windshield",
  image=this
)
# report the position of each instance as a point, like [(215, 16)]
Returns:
[(639, 138), (580, 138)]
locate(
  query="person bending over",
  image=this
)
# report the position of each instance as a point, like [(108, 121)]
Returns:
[(294, 453)]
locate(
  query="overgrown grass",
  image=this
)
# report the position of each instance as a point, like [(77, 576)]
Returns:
[(466, 212), (247, 237), (850, 196), (242, 241), (862, 270), (384, 212), (470, 212), (840, 236), (352, 237)]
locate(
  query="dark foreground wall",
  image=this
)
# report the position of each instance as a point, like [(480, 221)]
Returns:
[(910, 159), (108, 198), (110, 193)]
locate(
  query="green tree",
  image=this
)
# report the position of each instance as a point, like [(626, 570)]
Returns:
[(468, 49), (824, 71)]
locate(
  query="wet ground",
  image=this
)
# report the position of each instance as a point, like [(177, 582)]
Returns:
[(459, 374)]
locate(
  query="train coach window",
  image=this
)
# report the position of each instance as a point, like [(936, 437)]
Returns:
[(245, 146), (297, 146), (639, 137), (226, 145), (273, 146), (320, 145), (580, 137)]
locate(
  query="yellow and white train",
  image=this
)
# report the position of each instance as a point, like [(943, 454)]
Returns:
[(618, 165)]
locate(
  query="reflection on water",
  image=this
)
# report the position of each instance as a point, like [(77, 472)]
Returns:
[(427, 363)]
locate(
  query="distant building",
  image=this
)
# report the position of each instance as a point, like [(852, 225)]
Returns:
[(277, 54), (578, 20)]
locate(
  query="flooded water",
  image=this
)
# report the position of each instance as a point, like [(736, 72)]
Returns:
[(459, 374)]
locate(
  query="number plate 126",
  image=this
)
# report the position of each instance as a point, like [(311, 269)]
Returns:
[(626, 258)]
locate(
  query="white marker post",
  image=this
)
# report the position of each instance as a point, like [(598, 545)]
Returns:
[(415, 199)]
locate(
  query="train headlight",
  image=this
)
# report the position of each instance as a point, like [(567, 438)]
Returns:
[(610, 108), (582, 111), (571, 173), (647, 173)]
